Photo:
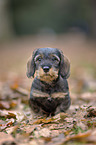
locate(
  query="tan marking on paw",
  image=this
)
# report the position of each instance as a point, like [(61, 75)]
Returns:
[(59, 95), (37, 93)]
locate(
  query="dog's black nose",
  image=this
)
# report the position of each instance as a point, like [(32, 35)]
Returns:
[(46, 68)]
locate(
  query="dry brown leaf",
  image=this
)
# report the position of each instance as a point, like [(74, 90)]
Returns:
[(5, 125), (20, 116), (63, 115), (81, 125), (56, 126), (11, 115), (13, 104), (44, 120), (92, 137), (67, 132), (79, 137), (47, 139), (88, 96), (54, 133), (19, 90), (6, 138), (36, 142), (81, 84), (14, 86), (58, 140), (3, 113), (7, 114), (4, 105), (9, 123), (44, 132), (91, 112), (11, 129), (8, 104), (29, 129)]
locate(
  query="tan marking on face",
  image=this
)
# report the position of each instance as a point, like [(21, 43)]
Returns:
[(59, 95), (47, 77), (54, 55), (37, 93), (39, 55)]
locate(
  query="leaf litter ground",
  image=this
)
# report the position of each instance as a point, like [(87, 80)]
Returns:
[(18, 125)]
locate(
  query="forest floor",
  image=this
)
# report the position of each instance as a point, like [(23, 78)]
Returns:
[(17, 124)]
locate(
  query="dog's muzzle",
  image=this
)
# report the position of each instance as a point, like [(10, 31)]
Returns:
[(46, 69), (47, 73)]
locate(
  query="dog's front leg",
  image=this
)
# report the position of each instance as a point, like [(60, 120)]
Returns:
[(37, 100), (33, 104), (65, 103)]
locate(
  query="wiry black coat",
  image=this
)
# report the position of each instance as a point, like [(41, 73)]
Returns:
[(49, 91)]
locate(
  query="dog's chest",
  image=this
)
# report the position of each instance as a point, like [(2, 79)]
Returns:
[(47, 104), (60, 86), (48, 97)]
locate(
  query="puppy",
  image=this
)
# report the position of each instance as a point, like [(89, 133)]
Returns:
[(49, 92)]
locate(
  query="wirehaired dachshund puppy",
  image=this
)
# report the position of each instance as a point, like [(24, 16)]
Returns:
[(49, 92)]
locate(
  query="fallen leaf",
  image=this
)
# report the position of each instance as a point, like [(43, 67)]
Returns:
[(6, 139), (20, 116), (11, 115), (82, 125), (13, 104), (54, 133), (7, 124), (44, 120), (91, 112), (3, 113), (20, 90), (36, 142), (8, 104), (11, 129), (44, 132), (92, 137), (63, 115), (7, 114), (78, 137), (15, 85), (29, 129), (58, 140), (4, 105), (88, 96), (47, 139)]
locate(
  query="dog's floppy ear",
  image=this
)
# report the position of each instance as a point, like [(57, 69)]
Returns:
[(64, 66), (31, 66)]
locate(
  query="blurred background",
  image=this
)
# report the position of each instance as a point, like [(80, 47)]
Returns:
[(69, 25)]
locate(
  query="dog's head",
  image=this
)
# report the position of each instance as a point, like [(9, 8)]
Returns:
[(48, 63)]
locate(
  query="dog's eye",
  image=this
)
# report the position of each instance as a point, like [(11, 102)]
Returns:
[(39, 59), (54, 59)]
